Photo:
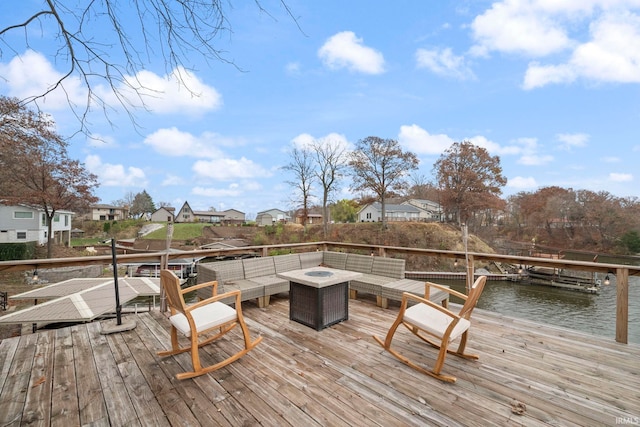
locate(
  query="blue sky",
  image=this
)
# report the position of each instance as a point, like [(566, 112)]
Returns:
[(552, 87)]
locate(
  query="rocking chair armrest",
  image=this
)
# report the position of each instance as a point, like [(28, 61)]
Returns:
[(406, 296), (215, 298), (213, 284), (446, 289)]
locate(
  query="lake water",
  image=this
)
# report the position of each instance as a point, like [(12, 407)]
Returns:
[(591, 313)]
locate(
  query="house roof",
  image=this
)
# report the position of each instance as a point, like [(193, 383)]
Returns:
[(424, 201), (208, 213), (393, 207), (232, 210), (166, 208), (270, 211), (35, 208), (104, 206)]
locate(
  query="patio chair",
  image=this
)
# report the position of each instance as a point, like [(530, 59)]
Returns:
[(202, 318), (436, 325)]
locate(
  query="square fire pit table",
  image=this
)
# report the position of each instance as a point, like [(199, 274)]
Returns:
[(319, 296)]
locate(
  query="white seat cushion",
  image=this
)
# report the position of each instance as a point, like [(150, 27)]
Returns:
[(205, 317), (434, 321)]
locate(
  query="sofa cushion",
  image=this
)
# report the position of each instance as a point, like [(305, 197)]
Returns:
[(286, 262), (335, 260), (255, 267), (228, 270), (310, 259), (249, 289), (389, 267), (359, 263)]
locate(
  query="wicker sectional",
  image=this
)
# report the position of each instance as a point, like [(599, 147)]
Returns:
[(256, 277)]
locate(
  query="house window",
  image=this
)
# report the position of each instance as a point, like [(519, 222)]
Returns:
[(21, 235), (56, 218), (22, 215), (66, 220), (368, 215), (43, 219)]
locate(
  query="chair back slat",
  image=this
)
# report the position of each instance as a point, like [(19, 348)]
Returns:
[(472, 298), (171, 284)]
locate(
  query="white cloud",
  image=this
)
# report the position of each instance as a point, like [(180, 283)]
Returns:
[(539, 75), (522, 27), (171, 180), (419, 141), (611, 159), (572, 140), (345, 50), (306, 141), (620, 177), (444, 63), (180, 92), (529, 153), (173, 142), (31, 74), (233, 190), (611, 55), (110, 175), (522, 183), (608, 52), (228, 169), (293, 68)]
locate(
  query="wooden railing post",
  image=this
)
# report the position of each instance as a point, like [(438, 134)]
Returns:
[(470, 273), (622, 305), (164, 264)]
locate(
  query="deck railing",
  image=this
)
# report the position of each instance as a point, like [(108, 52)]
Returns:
[(622, 272)]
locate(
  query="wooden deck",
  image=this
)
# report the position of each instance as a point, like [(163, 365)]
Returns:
[(339, 376)]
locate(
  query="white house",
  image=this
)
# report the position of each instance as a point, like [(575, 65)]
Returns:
[(373, 213), (163, 214), (108, 213), (430, 211), (19, 224), (272, 216), (233, 216), (185, 214)]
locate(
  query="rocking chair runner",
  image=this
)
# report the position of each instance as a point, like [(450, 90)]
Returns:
[(436, 325), (200, 318)]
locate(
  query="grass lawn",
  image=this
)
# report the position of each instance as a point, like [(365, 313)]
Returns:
[(93, 241), (185, 231)]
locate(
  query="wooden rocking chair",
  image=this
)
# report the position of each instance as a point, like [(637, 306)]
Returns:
[(436, 325), (200, 318)]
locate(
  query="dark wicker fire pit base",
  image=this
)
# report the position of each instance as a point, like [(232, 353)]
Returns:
[(319, 308)]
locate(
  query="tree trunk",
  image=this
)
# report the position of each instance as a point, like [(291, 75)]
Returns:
[(49, 236)]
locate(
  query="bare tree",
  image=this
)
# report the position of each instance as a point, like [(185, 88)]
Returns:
[(35, 168), (381, 166), (331, 164), (303, 170), (89, 34)]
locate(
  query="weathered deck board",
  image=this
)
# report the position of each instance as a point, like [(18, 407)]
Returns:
[(299, 376)]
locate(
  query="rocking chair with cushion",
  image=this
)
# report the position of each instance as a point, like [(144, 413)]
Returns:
[(436, 325), (202, 318)]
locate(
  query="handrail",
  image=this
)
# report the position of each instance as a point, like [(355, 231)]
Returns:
[(622, 272)]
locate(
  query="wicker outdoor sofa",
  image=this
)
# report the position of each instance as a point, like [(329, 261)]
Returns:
[(256, 277)]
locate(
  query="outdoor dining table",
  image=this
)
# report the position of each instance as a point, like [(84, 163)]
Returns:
[(319, 296)]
